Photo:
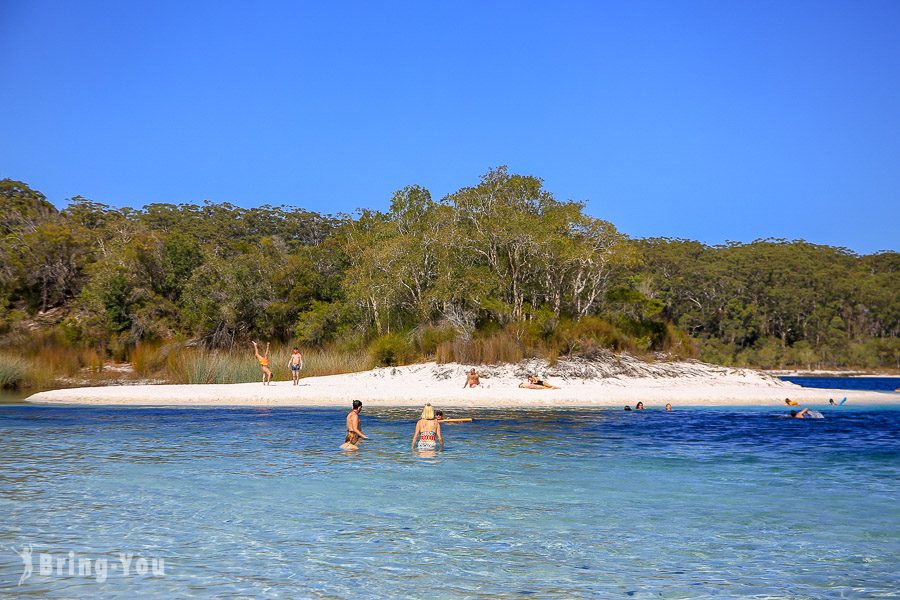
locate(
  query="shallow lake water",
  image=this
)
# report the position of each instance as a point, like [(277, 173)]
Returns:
[(709, 502)]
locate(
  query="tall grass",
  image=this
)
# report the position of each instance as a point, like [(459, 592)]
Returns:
[(499, 348), (13, 371), (196, 365)]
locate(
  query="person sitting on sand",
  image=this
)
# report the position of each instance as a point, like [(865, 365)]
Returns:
[(471, 379), (799, 415), (639, 406), (534, 383), (263, 362), (295, 363), (354, 433), (428, 431)]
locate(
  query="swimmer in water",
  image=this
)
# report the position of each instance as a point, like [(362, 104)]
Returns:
[(354, 433), (428, 431), (799, 414), (639, 406), (668, 407)]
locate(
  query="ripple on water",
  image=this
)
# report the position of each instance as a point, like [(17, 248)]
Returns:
[(544, 503)]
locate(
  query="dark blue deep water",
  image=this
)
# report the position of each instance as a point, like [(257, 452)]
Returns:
[(872, 384), (713, 503)]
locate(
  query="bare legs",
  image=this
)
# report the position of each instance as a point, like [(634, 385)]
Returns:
[(263, 362)]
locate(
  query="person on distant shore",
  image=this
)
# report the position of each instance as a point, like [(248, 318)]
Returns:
[(799, 414), (534, 383), (295, 363), (354, 433), (263, 362), (639, 406), (790, 402), (668, 407), (831, 401), (428, 431), (472, 379)]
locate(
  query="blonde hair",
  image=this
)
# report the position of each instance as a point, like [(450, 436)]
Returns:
[(428, 412)]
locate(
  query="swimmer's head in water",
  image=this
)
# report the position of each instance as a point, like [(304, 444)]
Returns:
[(639, 406), (668, 406), (438, 414), (627, 407), (793, 413)]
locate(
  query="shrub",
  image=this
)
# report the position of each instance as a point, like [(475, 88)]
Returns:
[(390, 349)]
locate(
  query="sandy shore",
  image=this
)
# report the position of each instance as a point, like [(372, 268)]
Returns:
[(685, 384)]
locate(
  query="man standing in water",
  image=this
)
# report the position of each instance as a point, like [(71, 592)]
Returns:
[(354, 433)]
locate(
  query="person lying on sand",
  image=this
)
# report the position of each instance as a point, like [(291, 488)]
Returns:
[(472, 379), (790, 402), (263, 362), (799, 415), (534, 383), (354, 433)]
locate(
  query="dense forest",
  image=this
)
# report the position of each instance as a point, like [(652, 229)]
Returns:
[(497, 271)]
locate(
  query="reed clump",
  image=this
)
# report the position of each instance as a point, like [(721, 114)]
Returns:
[(498, 348), (14, 371)]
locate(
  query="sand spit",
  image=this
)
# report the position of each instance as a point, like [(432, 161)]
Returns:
[(610, 380)]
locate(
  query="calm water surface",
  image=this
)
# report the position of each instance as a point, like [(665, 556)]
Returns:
[(247, 502), (873, 384)]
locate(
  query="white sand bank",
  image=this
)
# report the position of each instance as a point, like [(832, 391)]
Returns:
[(614, 381)]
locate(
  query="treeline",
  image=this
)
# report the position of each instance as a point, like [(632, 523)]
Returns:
[(496, 271)]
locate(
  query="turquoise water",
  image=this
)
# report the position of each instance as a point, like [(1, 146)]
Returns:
[(246, 502)]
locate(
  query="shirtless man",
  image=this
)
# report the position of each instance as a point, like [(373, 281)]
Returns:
[(799, 415), (295, 363), (354, 433)]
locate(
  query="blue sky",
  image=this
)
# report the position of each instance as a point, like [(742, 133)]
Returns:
[(714, 121)]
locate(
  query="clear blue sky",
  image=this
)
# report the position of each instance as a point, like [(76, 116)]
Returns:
[(715, 121)]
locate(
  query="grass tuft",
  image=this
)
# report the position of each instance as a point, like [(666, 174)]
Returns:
[(13, 371)]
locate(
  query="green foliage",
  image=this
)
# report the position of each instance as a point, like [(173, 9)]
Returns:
[(391, 349), (497, 271)]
